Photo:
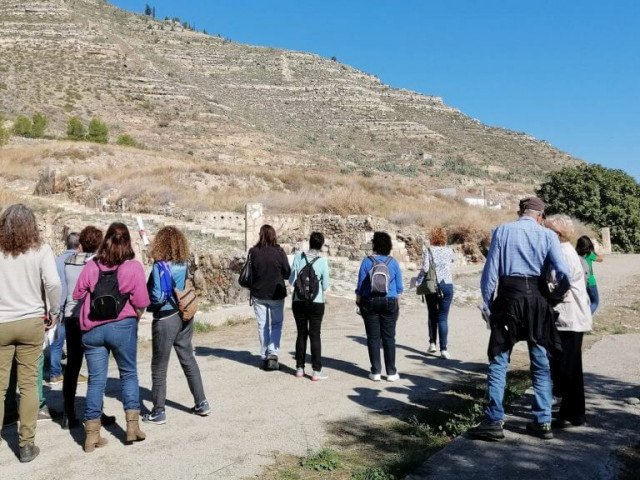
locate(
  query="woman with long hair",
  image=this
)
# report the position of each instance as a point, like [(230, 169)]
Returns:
[(574, 319), (438, 305), (270, 268), (113, 292), (27, 269), (586, 249), (170, 252), (89, 240)]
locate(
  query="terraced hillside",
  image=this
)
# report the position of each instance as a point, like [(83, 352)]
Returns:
[(194, 94)]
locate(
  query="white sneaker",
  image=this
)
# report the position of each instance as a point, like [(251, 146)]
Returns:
[(393, 378), (376, 377), (300, 372), (445, 355), (432, 348), (318, 376)]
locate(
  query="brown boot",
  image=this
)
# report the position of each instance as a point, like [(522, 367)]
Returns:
[(134, 434), (93, 438)]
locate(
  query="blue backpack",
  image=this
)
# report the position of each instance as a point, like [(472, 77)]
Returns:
[(166, 282)]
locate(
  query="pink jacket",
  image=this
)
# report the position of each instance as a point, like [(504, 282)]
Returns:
[(131, 279)]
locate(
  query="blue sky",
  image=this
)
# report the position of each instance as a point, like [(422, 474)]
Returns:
[(564, 71)]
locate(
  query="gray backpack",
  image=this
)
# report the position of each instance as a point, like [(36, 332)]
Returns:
[(380, 276)]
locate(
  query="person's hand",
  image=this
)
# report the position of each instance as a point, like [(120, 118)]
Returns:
[(50, 321)]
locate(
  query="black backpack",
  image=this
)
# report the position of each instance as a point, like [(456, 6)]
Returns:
[(106, 300), (307, 284)]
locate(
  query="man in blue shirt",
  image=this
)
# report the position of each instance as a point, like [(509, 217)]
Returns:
[(521, 253)]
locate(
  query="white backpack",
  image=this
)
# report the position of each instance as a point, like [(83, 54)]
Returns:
[(380, 276)]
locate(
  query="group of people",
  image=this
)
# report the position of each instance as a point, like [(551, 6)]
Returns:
[(97, 292), (535, 284)]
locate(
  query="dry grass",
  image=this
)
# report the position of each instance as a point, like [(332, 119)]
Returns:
[(152, 180)]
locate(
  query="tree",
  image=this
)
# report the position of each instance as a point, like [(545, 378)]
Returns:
[(98, 132), (600, 196), (75, 129), (39, 125), (147, 10), (22, 126)]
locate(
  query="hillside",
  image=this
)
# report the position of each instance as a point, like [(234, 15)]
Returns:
[(189, 93)]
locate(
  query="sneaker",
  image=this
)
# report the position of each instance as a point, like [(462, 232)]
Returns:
[(159, 417), (43, 415), (299, 372), (393, 378), (82, 379), (486, 430), (57, 380), (272, 363), (319, 376), (561, 423), (432, 348), (444, 354), (540, 430), (203, 409), (376, 377), (28, 453)]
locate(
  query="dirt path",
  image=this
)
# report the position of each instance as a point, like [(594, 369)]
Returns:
[(257, 414)]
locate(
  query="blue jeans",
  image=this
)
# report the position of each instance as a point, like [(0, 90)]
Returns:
[(121, 338), (592, 291), (270, 315), (540, 375), (438, 309), (55, 352)]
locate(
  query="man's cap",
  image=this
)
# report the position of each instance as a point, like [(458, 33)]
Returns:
[(532, 203)]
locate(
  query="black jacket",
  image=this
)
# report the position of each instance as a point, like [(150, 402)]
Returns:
[(270, 269)]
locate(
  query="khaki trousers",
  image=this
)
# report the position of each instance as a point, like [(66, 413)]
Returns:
[(22, 340)]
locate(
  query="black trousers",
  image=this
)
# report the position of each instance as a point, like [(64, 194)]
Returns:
[(380, 315), (75, 352), (568, 381), (309, 321)]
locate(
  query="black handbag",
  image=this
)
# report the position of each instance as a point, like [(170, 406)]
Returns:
[(246, 274)]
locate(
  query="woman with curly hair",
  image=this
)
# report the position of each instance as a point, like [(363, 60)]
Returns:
[(27, 270), (170, 253)]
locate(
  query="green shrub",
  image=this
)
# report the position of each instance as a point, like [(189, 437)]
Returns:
[(599, 196), (22, 126), (126, 140), (98, 132), (39, 125), (75, 129), (326, 460), (4, 133)]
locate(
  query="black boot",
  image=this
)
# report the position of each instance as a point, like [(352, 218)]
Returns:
[(107, 420), (70, 421)]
